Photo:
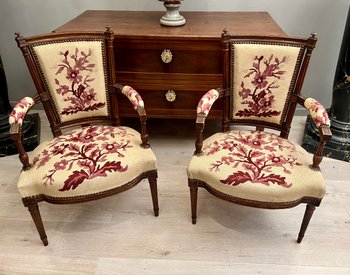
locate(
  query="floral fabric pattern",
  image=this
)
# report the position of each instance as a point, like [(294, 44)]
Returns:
[(133, 96), (255, 157), (20, 110), (78, 92), (87, 151), (207, 101), (263, 74), (317, 111)]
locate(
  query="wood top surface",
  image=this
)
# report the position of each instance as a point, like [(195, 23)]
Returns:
[(198, 24)]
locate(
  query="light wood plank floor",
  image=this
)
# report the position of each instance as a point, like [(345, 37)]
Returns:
[(120, 235)]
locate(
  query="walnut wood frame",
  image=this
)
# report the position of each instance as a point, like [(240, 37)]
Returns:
[(43, 96), (294, 98)]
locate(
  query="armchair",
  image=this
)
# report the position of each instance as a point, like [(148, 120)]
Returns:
[(91, 155), (263, 77)]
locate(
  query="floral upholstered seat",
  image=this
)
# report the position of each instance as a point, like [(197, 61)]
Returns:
[(262, 86), (91, 155), (86, 162), (258, 167)]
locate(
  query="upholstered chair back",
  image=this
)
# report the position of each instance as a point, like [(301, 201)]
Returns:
[(264, 78), (71, 75)]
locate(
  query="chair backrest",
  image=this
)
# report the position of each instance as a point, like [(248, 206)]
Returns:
[(72, 73), (265, 76)]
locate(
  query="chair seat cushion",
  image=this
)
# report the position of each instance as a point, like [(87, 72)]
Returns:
[(68, 165), (257, 166)]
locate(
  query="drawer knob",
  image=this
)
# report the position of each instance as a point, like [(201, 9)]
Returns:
[(170, 96), (166, 56)]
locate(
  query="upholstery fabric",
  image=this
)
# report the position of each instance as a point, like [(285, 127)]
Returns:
[(262, 79), (257, 166), (133, 96), (75, 77), (67, 165), (20, 110), (317, 111), (206, 102)]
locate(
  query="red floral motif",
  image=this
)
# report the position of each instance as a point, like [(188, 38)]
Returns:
[(82, 148), (207, 100), (260, 99), (247, 149), (317, 111), (20, 110), (78, 91)]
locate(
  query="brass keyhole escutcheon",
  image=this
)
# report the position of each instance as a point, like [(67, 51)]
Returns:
[(166, 56), (170, 95)]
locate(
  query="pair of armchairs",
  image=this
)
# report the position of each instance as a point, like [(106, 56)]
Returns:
[(92, 156)]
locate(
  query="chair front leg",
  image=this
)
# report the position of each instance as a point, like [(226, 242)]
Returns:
[(310, 208), (33, 209), (154, 192), (194, 194)]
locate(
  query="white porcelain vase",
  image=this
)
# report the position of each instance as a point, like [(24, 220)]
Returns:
[(172, 17)]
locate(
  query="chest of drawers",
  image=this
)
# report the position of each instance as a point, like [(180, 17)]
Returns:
[(172, 85)]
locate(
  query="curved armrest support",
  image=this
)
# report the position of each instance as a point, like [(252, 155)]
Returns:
[(138, 104), (320, 116), (16, 120), (203, 109)]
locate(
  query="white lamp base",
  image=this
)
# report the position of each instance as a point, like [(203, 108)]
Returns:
[(172, 17)]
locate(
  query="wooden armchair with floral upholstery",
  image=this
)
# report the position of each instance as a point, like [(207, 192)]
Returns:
[(263, 77), (94, 156)]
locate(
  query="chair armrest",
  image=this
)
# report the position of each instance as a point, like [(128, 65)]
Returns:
[(16, 120), (206, 102), (203, 109), (133, 96), (320, 117), (317, 112), (20, 110), (138, 104)]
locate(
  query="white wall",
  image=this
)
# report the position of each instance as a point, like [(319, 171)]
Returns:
[(296, 18)]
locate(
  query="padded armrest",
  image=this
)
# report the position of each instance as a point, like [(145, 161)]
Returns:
[(206, 102), (16, 120), (317, 111), (133, 96), (20, 110)]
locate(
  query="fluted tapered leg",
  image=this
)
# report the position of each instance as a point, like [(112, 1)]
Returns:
[(34, 212), (307, 216), (154, 193), (194, 195)]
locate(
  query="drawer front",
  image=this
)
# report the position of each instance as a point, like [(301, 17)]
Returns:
[(196, 66), (187, 56), (175, 103)]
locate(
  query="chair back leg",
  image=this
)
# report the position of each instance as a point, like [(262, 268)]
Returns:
[(35, 213), (307, 216)]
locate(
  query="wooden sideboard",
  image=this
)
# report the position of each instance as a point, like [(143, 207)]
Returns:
[(171, 90)]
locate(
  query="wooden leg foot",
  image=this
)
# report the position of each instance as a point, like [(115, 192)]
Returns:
[(194, 195), (154, 193), (34, 212), (307, 216)]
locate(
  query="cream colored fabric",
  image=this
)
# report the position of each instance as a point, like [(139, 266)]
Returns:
[(90, 156), (77, 82), (274, 71), (258, 156)]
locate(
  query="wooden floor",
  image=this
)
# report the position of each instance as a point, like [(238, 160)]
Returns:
[(120, 235)]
